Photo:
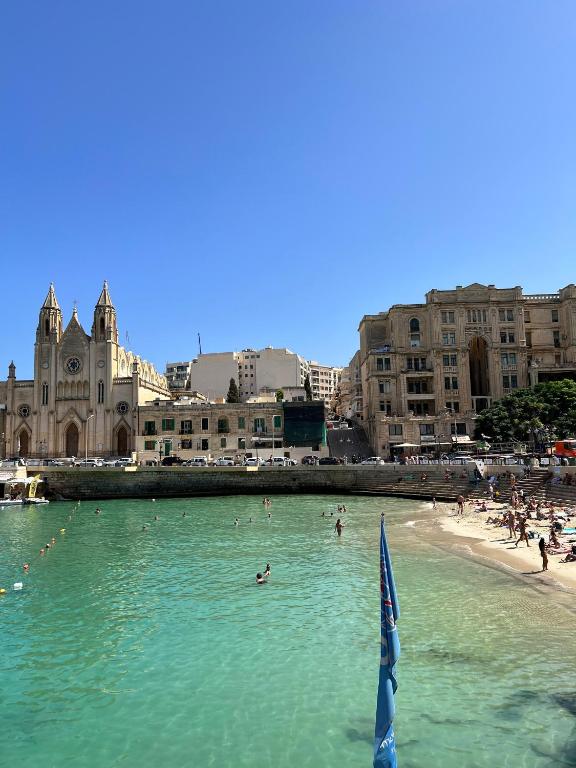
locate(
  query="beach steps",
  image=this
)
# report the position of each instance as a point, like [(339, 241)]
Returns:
[(411, 485)]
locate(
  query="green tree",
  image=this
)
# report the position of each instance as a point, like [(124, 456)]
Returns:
[(279, 395), (307, 387), (232, 396), (528, 414)]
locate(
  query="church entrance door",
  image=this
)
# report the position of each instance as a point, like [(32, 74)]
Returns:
[(72, 440), (23, 443), (122, 441)]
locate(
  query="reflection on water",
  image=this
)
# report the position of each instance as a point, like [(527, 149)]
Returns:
[(156, 647)]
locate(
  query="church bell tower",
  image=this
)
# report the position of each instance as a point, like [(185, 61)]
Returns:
[(104, 327)]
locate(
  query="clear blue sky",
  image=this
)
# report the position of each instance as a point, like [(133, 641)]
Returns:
[(267, 172)]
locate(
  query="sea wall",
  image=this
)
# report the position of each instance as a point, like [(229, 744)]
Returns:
[(159, 482)]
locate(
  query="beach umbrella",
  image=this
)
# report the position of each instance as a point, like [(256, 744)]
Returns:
[(384, 741)]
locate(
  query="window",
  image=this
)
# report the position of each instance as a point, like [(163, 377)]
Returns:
[(416, 363), (554, 315), (241, 422), (453, 406), (149, 445), (419, 407), (417, 387), (528, 338), (222, 442), (395, 430), (448, 318), (167, 425), (426, 430), (510, 382), (526, 316), (507, 337), (449, 360), (242, 443), (44, 393), (414, 340), (508, 358), (414, 325), (450, 382), (382, 363), (186, 444), (186, 427), (449, 339), (476, 315), (223, 426), (506, 315), (386, 407), (277, 420), (149, 427), (204, 444), (384, 387), (205, 424), (460, 429), (556, 338), (259, 425)]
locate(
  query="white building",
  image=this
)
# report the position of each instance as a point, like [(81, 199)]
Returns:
[(211, 373), (178, 374), (269, 368), (324, 380)]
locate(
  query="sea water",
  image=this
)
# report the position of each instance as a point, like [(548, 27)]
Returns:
[(140, 643)]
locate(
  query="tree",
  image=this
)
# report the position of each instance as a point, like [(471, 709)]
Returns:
[(232, 396), (279, 395), (307, 387), (532, 414)]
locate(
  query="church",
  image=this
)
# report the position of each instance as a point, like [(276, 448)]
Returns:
[(86, 391)]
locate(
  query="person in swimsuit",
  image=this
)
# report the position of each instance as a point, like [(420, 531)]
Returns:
[(267, 570), (260, 579), (338, 527), (542, 547)]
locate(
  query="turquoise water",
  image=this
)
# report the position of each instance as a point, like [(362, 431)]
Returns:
[(156, 648)]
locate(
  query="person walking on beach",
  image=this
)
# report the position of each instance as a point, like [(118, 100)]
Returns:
[(542, 547), (523, 532), (460, 501), (511, 524)]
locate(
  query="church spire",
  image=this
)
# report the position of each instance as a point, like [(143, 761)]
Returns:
[(51, 302), (105, 300)]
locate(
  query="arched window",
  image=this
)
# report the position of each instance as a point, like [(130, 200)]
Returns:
[(102, 328), (44, 393), (414, 325), (100, 391), (46, 327)]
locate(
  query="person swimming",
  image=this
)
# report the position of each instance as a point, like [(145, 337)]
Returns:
[(237, 521), (260, 579), (97, 511), (267, 570)]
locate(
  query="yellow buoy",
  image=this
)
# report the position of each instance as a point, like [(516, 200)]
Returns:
[(2, 591)]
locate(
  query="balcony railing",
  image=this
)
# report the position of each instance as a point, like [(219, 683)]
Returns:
[(186, 432)]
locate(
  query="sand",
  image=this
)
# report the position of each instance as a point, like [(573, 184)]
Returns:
[(490, 542)]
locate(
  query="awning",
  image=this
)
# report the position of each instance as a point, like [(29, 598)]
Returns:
[(6, 476), (406, 445), (460, 439)]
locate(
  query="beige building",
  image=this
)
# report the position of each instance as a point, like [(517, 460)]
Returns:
[(324, 380), (428, 369), (350, 404), (85, 392)]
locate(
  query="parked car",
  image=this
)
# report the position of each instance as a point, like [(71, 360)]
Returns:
[(170, 461), (328, 460), (253, 461), (55, 463), (224, 461), (374, 460), (277, 461), (198, 461), (311, 460), (96, 462), (291, 462)]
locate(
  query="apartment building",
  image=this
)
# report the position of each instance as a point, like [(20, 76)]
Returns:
[(324, 380), (428, 369), (178, 375)]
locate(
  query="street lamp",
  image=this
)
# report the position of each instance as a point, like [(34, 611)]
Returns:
[(86, 439)]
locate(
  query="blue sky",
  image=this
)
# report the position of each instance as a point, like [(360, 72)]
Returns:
[(266, 173)]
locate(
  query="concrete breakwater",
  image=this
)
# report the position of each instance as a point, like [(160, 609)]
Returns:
[(163, 482)]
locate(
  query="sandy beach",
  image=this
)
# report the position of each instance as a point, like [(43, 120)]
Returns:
[(487, 541)]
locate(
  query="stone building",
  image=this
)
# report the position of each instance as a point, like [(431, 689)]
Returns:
[(184, 429), (85, 392), (428, 369)]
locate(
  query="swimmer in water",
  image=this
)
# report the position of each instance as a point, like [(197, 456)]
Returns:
[(183, 514), (250, 520), (26, 567), (260, 579), (42, 551), (338, 527), (53, 540), (156, 517), (323, 514), (47, 546), (144, 527), (97, 511), (237, 521), (267, 570), (269, 515)]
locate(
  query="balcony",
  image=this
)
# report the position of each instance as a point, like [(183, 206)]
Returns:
[(149, 433), (186, 432), (450, 368), (511, 367)]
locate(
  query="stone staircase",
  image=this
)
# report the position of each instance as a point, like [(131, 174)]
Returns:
[(348, 442), (420, 482)]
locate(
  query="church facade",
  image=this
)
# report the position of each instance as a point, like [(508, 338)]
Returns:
[(85, 393)]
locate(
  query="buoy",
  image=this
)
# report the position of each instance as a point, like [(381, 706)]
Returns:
[(18, 585), (2, 591)]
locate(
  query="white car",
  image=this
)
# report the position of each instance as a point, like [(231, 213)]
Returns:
[(198, 461), (374, 460), (253, 461), (224, 461), (90, 463), (277, 461)]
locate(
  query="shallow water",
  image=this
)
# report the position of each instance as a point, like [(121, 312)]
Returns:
[(145, 648)]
